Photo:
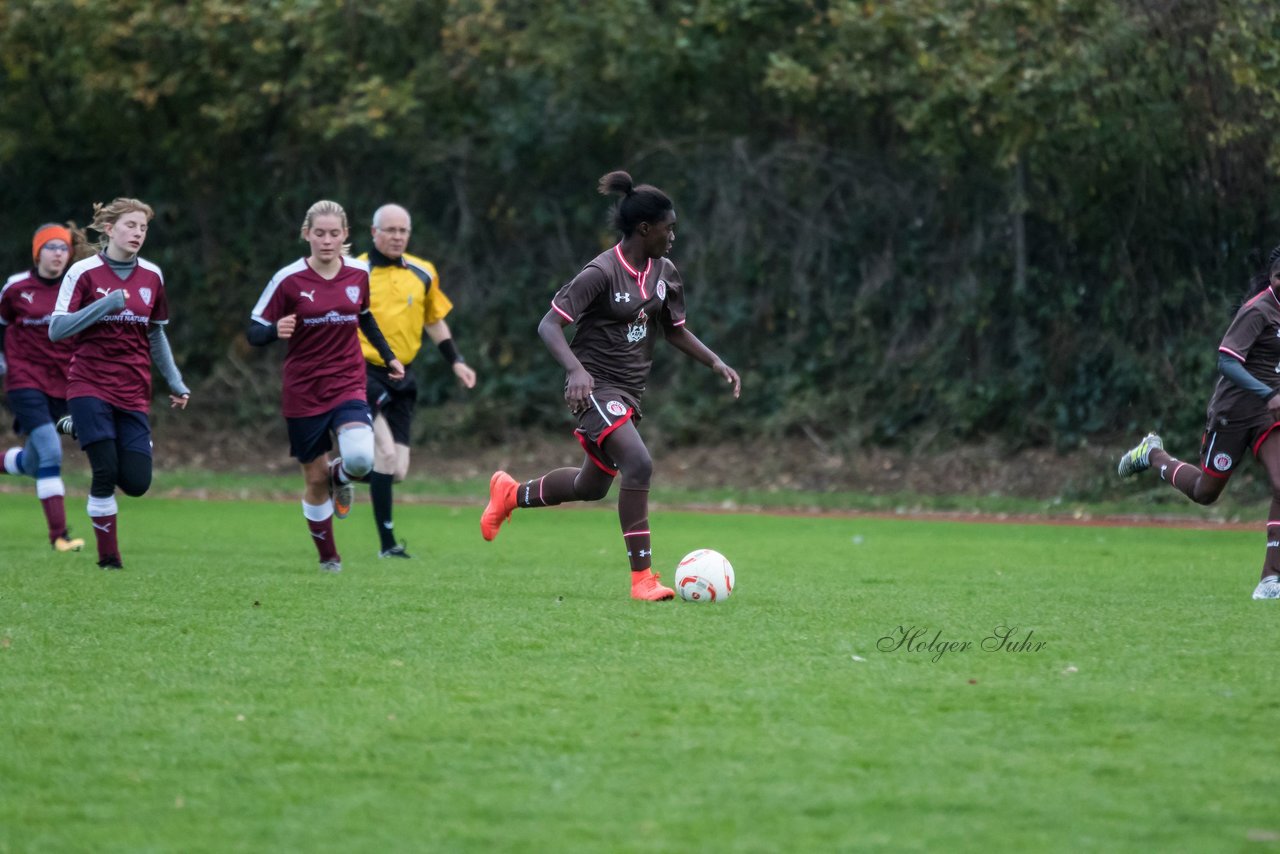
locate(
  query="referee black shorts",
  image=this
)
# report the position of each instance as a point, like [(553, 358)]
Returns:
[(394, 400)]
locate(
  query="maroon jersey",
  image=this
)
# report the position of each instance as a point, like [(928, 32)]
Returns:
[(324, 364), (111, 360), (26, 304), (616, 309), (1253, 338)]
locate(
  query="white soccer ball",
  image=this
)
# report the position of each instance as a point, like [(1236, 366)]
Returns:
[(704, 575)]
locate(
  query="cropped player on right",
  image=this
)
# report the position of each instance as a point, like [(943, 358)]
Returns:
[(1244, 413)]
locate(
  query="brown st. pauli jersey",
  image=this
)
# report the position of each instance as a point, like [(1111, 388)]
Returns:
[(1253, 339), (616, 310)]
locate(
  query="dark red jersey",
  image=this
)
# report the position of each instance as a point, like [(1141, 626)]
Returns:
[(35, 362), (616, 310), (111, 360), (324, 364), (1253, 339)]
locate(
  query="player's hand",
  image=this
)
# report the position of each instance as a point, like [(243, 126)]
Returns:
[(285, 326), (116, 299), (730, 376), (578, 386), (1273, 407), (4, 366), (465, 375), (395, 370), (178, 401)]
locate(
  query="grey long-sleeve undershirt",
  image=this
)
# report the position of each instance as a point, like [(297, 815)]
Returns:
[(1237, 375), (65, 325), (162, 357)]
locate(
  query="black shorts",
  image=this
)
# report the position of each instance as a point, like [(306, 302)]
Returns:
[(309, 437), (394, 400), (32, 408), (98, 421), (607, 410), (1228, 435)]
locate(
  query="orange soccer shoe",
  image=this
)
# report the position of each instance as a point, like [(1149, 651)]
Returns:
[(502, 500), (647, 586)]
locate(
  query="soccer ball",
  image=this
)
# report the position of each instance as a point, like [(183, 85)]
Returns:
[(704, 576)]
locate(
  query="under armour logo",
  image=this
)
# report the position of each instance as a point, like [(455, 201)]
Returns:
[(311, 295), (319, 535), (28, 296), (105, 527), (388, 525), (622, 297), (648, 553)]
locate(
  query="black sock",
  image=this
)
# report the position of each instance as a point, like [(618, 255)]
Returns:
[(380, 493)]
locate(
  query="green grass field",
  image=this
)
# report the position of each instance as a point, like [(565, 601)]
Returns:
[(222, 695)]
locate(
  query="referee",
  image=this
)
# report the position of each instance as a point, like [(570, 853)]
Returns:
[(406, 300)]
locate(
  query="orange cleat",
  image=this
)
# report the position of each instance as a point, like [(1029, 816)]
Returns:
[(67, 544), (646, 586), (341, 492), (502, 500)]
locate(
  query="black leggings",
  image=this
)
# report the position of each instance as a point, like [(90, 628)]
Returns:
[(129, 470)]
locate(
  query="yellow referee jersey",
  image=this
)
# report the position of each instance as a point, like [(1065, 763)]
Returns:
[(404, 296)]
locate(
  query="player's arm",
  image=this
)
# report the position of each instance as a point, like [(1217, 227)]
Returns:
[(66, 324), (1236, 373), (369, 326), (162, 356), (442, 337), (686, 342), (1234, 351), (578, 383)]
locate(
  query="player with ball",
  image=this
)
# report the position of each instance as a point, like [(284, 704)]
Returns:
[(616, 304)]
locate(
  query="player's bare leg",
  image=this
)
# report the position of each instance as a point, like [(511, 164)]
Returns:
[(635, 466), (1269, 584), (1187, 478)]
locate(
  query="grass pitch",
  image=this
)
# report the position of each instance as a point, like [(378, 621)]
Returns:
[(222, 695)]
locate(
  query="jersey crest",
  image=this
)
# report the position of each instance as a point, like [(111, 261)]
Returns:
[(145, 293), (661, 289), (639, 328), (353, 294)]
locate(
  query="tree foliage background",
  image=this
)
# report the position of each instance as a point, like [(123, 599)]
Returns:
[(901, 220)]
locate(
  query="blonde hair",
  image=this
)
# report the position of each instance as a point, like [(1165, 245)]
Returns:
[(80, 246), (324, 207), (105, 216)]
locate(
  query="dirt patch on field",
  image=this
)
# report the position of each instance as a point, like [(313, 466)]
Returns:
[(976, 470), (1063, 483)]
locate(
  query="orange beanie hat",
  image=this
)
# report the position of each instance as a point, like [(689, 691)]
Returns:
[(44, 235)]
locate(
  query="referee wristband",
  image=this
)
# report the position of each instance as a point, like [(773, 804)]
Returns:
[(450, 352)]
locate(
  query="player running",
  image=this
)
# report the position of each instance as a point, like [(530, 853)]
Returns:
[(35, 371), (617, 304), (316, 304), (1243, 415), (114, 304)]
